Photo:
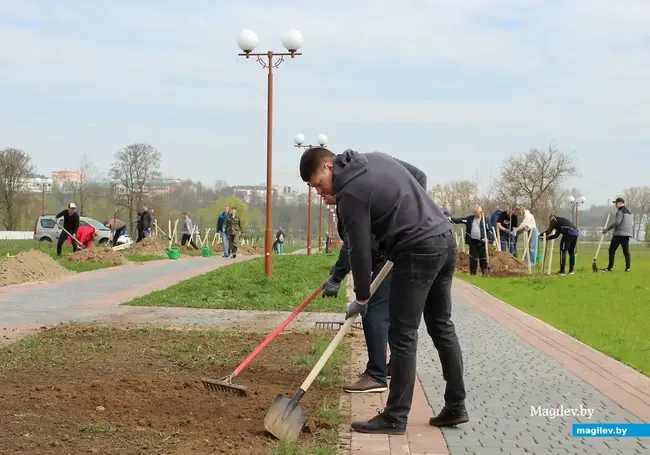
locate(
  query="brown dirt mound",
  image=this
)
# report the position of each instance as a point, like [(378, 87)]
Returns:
[(502, 264), (28, 266), (247, 249), (98, 256), (217, 247), (147, 247)]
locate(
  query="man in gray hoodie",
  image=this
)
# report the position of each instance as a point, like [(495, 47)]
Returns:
[(375, 193), (623, 231)]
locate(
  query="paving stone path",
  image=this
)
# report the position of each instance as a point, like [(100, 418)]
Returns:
[(506, 377)]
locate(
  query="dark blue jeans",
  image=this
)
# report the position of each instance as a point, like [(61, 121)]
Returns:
[(421, 285), (375, 330)]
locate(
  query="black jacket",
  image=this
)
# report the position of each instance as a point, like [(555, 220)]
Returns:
[(561, 226), (376, 195), (70, 222)]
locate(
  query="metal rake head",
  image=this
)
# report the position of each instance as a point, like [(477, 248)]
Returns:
[(333, 325), (224, 385)]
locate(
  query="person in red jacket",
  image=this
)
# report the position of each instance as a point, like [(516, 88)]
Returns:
[(86, 235)]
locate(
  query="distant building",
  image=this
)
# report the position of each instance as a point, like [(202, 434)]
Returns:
[(61, 177), (246, 192), (33, 184)]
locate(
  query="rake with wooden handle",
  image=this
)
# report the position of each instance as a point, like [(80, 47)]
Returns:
[(594, 267)]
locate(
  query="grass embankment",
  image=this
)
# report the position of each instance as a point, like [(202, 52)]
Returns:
[(608, 311), (244, 286)]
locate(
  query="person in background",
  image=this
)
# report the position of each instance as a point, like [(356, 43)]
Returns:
[(623, 231), (328, 243), (506, 221), (476, 232), (565, 228), (233, 226), (117, 227), (86, 235), (147, 221), (221, 229), (188, 229), (493, 223), (138, 227), (279, 239), (70, 224), (527, 223)]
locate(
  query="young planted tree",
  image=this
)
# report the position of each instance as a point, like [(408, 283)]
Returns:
[(15, 168), (135, 169)]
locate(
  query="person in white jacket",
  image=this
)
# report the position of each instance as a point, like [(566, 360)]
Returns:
[(528, 224)]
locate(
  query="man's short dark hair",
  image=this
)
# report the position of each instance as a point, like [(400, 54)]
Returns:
[(311, 160)]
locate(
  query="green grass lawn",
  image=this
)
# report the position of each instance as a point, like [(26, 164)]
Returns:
[(608, 311), (13, 247), (244, 286)]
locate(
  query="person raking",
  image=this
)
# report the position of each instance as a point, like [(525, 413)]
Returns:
[(565, 228)]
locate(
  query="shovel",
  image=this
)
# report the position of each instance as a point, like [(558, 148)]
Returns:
[(286, 419), (225, 384), (81, 247), (594, 267)]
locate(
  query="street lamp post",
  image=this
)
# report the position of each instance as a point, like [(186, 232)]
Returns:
[(247, 42), (575, 204), (43, 184), (299, 139)]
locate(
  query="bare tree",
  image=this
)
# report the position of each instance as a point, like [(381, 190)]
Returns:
[(531, 176), (455, 196), (79, 187), (135, 169), (15, 168)]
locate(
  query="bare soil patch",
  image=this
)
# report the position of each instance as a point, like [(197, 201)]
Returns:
[(98, 255), (77, 389), (147, 247), (29, 266), (247, 249), (503, 264)]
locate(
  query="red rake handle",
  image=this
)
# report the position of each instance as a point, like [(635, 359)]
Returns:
[(276, 332)]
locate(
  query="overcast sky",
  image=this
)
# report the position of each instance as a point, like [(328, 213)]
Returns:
[(454, 87)]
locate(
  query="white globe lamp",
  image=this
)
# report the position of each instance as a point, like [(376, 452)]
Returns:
[(299, 139), (247, 41), (292, 40), (321, 139)]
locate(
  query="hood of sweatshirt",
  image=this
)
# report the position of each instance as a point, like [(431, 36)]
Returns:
[(347, 166)]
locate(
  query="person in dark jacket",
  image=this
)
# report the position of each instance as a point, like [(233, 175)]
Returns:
[(565, 228), (70, 224), (375, 319), (623, 231), (147, 221), (138, 226), (375, 193), (221, 229), (475, 234)]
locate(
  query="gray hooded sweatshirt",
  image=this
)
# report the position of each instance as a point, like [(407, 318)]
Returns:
[(622, 224), (375, 193)]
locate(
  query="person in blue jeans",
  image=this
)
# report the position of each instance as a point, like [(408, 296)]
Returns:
[(377, 195), (505, 223), (221, 229)]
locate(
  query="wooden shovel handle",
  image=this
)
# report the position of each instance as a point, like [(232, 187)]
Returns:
[(342, 332), (602, 236)]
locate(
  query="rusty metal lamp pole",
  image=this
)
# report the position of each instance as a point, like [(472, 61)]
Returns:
[(299, 139), (247, 42), (575, 203), (43, 184)]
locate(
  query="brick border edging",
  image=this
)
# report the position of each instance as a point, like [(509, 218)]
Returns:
[(622, 384)]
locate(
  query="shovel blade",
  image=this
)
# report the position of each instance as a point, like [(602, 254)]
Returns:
[(285, 419)]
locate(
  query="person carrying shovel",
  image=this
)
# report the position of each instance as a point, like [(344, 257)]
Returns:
[(376, 194), (70, 226)]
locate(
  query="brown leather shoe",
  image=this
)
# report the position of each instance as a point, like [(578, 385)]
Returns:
[(365, 384)]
